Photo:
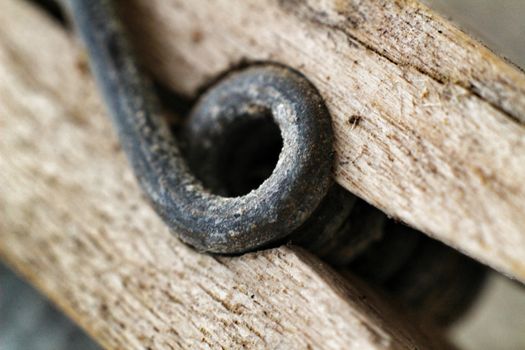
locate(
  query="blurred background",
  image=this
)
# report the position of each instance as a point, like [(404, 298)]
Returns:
[(497, 321), (498, 24)]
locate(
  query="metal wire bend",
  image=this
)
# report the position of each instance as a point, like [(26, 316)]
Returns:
[(206, 221)]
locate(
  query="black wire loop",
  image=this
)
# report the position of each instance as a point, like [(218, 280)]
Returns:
[(205, 220)]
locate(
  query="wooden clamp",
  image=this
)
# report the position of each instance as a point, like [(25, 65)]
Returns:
[(429, 123), (428, 126)]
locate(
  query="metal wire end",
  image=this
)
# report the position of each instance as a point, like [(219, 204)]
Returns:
[(207, 221)]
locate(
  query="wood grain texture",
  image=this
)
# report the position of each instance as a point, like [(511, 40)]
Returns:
[(428, 123), (73, 222)]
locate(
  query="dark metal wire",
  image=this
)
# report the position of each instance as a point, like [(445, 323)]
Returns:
[(207, 221), (340, 227)]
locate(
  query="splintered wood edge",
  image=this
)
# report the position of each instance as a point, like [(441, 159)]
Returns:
[(75, 224), (428, 122)]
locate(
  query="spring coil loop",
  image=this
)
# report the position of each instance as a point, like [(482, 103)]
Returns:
[(343, 230), (207, 221)]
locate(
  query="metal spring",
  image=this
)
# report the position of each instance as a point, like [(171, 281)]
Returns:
[(205, 220), (297, 202), (344, 230), (210, 136), (425, 275)]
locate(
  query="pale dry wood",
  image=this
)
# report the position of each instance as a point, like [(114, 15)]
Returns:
[(73, 221), (427, 121)]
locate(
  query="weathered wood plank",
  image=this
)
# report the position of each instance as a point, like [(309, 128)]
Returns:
[(73, 221), (428, 122)]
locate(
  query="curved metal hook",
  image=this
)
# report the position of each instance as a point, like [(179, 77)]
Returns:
[(207, 221)]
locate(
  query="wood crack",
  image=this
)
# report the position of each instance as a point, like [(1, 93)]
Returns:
[(305, 11)]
